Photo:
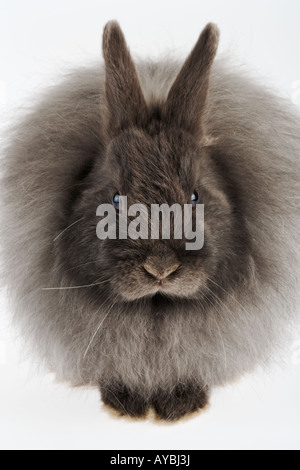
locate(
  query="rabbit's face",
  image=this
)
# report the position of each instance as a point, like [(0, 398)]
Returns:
[(166, 167)]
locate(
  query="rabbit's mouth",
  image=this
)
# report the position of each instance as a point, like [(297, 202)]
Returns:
[(181, 283)]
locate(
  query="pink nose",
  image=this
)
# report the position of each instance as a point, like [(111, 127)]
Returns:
[(158, 272)]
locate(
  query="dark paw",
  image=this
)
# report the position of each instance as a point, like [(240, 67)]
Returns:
[(182, 400), (123, 400)]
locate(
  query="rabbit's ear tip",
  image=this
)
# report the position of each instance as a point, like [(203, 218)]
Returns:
[(113, 40), (112, 28), (212, 31), (112, 37), (212, 28), (111, 25)]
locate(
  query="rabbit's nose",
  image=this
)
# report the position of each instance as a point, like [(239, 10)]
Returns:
[(160, 273)]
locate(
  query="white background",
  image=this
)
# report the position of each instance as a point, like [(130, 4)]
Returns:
[(38, 40)]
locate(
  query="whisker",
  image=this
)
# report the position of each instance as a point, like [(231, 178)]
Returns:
[(61, 233), (94, 335), (230, 295), (222, 342), (218, 300), (98, 328), (81, 265), (75, 287)]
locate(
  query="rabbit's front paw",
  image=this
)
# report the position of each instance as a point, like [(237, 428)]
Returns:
[(123, 400), (182, 400)]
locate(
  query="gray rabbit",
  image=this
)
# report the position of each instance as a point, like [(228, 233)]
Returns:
[(152, 324)]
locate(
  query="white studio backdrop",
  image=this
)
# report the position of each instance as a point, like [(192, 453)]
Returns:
[(38, 41)]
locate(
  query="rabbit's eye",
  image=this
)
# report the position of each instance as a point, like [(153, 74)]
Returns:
[(116, 201), (195, 198)]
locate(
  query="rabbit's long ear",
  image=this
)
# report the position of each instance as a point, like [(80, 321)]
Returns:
[(125, 101), (187, 97)]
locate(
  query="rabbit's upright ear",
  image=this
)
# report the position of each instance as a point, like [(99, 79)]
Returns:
[(187, 97), (125, 101)]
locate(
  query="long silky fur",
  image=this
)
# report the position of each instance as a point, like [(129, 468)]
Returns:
[(255, 135)]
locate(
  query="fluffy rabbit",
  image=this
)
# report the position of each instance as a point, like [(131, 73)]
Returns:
[(152, 324)]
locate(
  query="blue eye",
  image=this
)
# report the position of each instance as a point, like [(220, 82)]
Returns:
[(116, 201), (195, 198)]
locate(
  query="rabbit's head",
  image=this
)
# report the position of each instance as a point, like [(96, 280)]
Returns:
[(156, 153)]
